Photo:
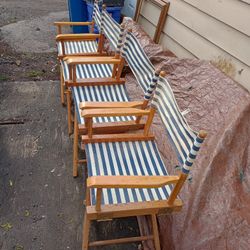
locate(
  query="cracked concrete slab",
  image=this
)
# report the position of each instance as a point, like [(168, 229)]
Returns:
[(35, 35)]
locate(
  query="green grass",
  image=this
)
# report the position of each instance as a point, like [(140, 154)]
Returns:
[(3, 78), (35, 73)]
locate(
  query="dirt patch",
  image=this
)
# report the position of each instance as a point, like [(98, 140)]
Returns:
[(16, 66)]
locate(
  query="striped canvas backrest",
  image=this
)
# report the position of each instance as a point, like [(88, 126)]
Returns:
[(111, 29), (97, 15), (137, 60), (185, 141)]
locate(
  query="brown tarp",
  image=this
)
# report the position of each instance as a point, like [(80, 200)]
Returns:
[(216, 212)]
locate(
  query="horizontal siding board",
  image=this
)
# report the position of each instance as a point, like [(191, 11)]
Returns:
[(150, 11), (223, 36), (169, 43), (231, 12), (147, 26), (203, 49)]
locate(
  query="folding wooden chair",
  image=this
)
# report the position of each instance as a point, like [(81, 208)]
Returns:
[(127, 176), (103, 93), (80, 44)]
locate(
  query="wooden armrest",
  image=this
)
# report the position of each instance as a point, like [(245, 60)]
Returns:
[(89, 113), (130, 181), (72, 23), (104, 105), (73, 60), (72, 37)]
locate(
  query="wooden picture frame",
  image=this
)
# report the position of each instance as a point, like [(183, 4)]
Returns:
[(164, 6)]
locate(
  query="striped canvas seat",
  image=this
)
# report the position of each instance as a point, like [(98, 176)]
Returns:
[(139, 158), (104, 93), (77, 47), (84, 71)]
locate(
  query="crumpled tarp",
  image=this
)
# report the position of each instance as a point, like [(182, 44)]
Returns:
[(216, 212)]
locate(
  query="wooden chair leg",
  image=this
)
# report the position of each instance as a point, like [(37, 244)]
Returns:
[(85, 233), (62, 89), (68, 94), (75, 147), (155, 232)]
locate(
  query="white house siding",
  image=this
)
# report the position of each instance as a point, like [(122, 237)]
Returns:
[(215, 30)]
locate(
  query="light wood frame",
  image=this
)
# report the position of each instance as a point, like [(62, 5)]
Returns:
[(152, 208), (164, 6)]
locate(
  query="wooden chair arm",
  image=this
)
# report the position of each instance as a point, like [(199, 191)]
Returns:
[(72, 23), (108, 112), (130, 181), (104, 105), (77, 37), (74, 60)]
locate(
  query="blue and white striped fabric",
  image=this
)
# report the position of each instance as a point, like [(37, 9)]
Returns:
[(96, 15), (104, 93), (137, 60), (111, 29), (139, 158), (77, 47), (185, 141), (87, 70), (151, 88)]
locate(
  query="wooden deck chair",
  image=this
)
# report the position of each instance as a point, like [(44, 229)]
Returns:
[(81, 44), (118, 99), (79, 72), (112, 94), (127, 176)]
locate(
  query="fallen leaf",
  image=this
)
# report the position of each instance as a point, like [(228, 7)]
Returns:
[(27, 213), (7, 226), (18, 62), (19, 247)]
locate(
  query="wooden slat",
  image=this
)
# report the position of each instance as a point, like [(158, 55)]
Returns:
[(117, 138), (76, 37), (113, 112), (120, 241), (112, 127), (93, 105), (95, 82), (91, 60), (72, 23), (133, 209), (130, 181)]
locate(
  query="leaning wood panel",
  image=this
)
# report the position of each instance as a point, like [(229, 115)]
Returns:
[(155, 12), (151, 12), (231, 12), (203, 49), (218, 33)]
